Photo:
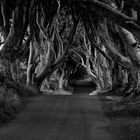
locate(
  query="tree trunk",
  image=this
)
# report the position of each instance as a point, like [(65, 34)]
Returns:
[(30, 70), (61, 80)]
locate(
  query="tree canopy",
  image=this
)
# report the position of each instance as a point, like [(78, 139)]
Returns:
[(55, 37)]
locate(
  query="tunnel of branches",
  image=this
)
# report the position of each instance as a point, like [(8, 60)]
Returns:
[(45, 44)]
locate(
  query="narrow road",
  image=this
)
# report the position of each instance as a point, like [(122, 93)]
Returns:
[(57, 117)]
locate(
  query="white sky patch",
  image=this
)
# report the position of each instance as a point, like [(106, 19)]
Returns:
[(2, 40), (1, 47)]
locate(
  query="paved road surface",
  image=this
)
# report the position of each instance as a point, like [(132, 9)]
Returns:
[(48, 117)]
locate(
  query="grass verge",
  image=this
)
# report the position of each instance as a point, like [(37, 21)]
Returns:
[(10, 104), (124, 119)]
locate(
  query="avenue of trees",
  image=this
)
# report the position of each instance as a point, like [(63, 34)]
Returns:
[(46, 39)]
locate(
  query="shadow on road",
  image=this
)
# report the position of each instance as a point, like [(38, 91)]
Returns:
[(83, 86), (83, 90)]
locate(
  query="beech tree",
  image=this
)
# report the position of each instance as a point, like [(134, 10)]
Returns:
[(56, 37)]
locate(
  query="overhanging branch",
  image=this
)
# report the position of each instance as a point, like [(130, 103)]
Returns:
[(109, 12)]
